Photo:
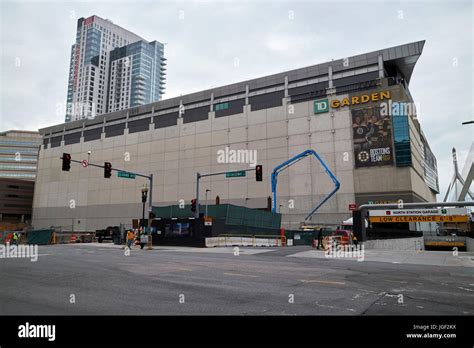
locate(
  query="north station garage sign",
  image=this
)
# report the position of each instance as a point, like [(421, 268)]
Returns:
[(419, 215)]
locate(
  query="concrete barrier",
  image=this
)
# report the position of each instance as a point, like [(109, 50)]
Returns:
[(469, 244), (416, 243), (65, 237), (241, 241)]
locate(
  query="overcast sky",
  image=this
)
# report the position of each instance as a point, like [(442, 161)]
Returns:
[(204, 39)]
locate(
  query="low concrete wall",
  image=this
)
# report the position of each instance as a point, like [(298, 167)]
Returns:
[(396, 244), (242, 241), (469, 244)]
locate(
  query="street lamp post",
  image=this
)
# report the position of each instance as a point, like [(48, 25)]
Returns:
[(207, 190), (144, 198)]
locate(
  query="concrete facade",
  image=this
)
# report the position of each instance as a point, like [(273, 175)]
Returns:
[(175, 138)]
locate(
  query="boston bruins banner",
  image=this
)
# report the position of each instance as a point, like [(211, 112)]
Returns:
[(372, 134)]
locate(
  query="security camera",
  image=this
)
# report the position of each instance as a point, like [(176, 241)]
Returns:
[(89, 152)]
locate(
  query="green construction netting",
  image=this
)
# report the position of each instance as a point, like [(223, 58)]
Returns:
[(40, 237), (233, 215)]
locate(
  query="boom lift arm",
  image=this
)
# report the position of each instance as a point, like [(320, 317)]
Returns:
[(292, 161)]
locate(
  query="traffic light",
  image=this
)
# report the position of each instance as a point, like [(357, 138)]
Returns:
[(66, 162), (107, 170), (258, 173), (193, 205)]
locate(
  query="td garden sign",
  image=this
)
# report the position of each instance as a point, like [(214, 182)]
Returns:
[(322, 105), (419, 215), (364, 98)]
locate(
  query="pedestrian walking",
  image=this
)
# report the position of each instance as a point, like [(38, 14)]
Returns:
[(320, 238), (354, 239), (15, 238), (130, 238)]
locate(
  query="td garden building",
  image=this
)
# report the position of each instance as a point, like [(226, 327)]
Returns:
[(356, 113)]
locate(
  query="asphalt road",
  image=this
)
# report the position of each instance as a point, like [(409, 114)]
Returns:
[(102, 280)]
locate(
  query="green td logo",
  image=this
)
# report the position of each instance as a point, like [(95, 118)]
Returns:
[(320, 106)]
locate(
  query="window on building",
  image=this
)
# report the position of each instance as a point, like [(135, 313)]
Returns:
[(401, 138), (221, 106)]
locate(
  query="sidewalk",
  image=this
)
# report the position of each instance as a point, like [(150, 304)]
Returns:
[(434, 258)]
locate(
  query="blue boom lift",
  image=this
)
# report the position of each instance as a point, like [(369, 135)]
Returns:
[(292, 161)]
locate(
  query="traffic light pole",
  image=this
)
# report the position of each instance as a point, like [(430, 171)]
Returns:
[(149, 177), (199, 176)]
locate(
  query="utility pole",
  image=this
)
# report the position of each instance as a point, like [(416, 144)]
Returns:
[(149, 177), (207, 190), (199, 176)]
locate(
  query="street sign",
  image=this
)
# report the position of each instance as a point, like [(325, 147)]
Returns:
[(85, 163), (419, 212), (235, 174), (126, 175), (352, 206)]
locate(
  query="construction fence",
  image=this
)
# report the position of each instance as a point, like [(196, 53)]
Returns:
[(232, 215)]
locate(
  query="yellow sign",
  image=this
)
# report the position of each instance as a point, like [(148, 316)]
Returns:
[(432, 218), (364, 98)]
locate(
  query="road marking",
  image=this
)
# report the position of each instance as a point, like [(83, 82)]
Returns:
[(185, 269), (459, 287), (396, 262), (396, 281), (241, 275), (322, 282), (333, 307)]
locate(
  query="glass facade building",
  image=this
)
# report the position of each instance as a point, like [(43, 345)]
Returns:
[(18, 167), (401, 139), (90, 63), (93, 39), (19, 154), (136, 76)]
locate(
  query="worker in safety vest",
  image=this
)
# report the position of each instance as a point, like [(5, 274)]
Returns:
[(15, 238), (130, 238)]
